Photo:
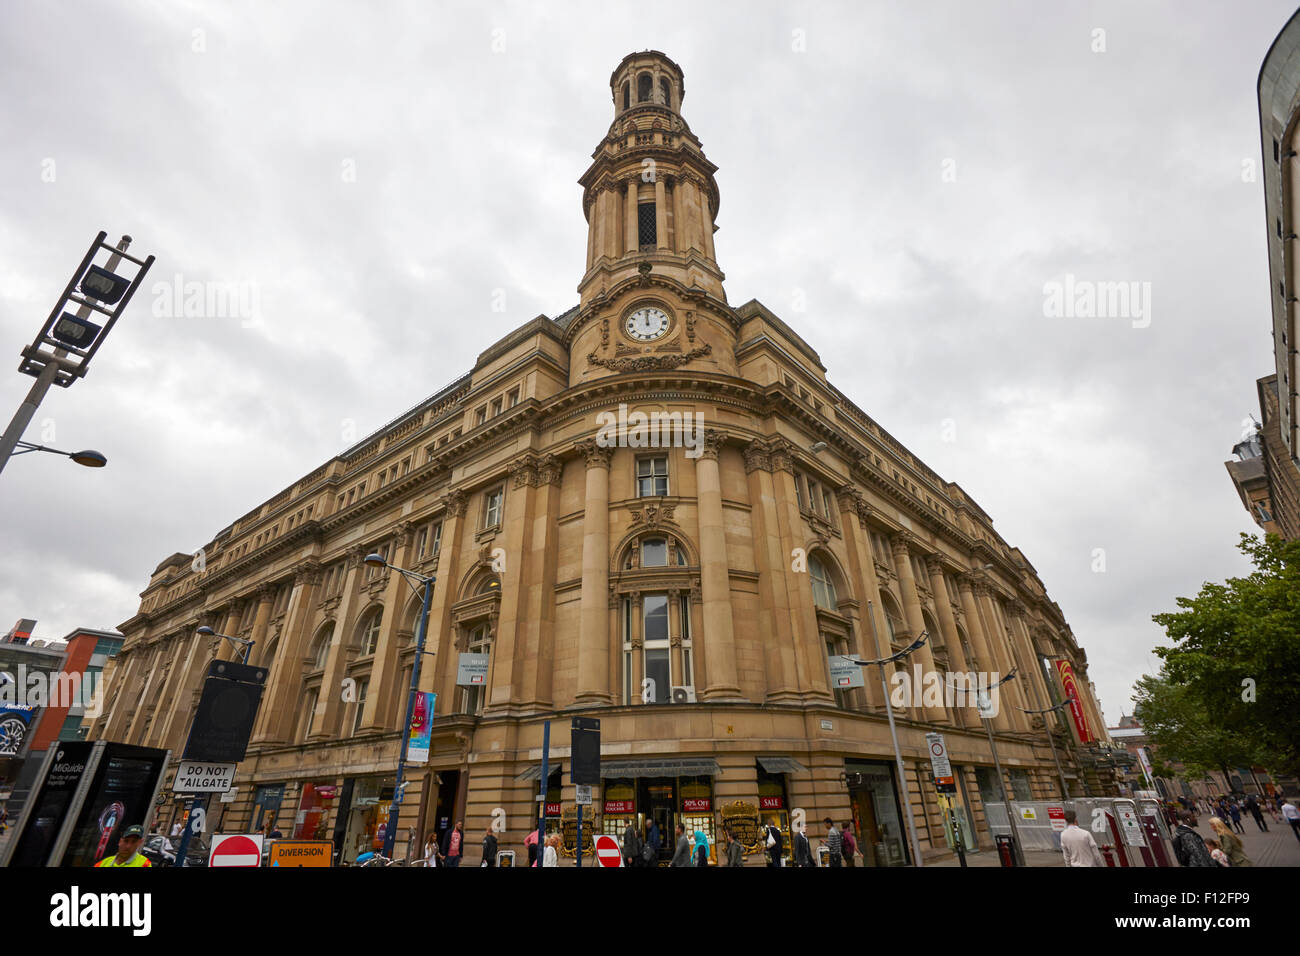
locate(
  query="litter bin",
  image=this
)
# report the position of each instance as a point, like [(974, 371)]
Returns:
[(1006, 849)]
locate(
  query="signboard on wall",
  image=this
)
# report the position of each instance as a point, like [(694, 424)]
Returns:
[(845, 673), (1071, 686), (471, 670)]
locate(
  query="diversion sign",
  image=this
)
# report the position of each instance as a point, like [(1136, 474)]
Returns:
[(301, 853)]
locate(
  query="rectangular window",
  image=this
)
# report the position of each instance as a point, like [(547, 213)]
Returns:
[(798, 490), (421, 538), (480, 416), (492, 508), (814, 496), (437, 539), (363, 686), (496, 407), (513, 398), (307, 713), (645, 220), (651, 477), (826, 504)]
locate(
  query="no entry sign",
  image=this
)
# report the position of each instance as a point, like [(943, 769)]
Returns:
[(236, 850), (607, 851)]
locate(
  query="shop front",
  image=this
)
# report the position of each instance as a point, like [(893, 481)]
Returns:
[(663, 792), (364, 819), (877, 819), (311, 821)]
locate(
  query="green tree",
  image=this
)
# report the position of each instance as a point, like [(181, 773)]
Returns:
[(1236, 655), (1175, 723)]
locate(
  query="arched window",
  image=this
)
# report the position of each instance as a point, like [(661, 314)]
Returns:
[(488, 585), (627, 95), (666, 91), (368, 631), (644, 87), (892, 620), (320, 647), (822, 585), (654, 553), (480, 642)]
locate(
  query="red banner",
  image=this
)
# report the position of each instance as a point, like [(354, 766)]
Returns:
[(696, 805), (1071, 686), (771, 803), (620, 806)]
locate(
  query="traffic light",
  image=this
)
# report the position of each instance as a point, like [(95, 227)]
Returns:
[(585, 751)]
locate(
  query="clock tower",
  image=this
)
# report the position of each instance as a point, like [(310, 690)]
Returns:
[(651, 294)]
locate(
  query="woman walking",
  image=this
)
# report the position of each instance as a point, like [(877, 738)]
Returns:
[(552, 855), (1229, 842)]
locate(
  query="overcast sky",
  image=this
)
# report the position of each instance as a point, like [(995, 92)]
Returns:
[(900, 182)]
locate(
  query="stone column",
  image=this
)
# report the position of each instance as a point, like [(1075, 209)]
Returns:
[(638, 646), (675, 662), (679, 234), (280, 705), (538, 619), (951, 639), (902, 545), (385, 672), (631, 227), (987, 661), (326, 722), (849, 499), (706, 224), (261, 622), (593, 634), (715, 580), (773, 562), (183, 653), (507, 689), (996, 633), (661, 215), (441, 638), (803, 619)]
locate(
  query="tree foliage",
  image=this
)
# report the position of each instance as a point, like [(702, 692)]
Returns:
[(1231, 682)]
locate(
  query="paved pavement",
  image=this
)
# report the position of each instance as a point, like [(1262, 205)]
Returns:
[(1277, 847)]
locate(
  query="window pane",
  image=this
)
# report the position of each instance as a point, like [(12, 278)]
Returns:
[(654, 553), (656, 668), (655, 612)]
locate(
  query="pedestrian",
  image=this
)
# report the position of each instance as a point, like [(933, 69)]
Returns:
[(1077, 845), (1292, 816), (682, 854), (774, 842), (128, 850), (850, 844), (451, 846), (834, 843), (701, 848), (1230, 843), (653, 844), (530, 844), (632, 845), (735, 852), (177, 829), (1235, 811), (1216, 853), (803, 850), (551, 855), (431, 849), (1188, 845), (1252, 806), (489, 847)]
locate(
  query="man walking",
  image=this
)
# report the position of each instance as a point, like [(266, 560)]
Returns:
[(1077, 845), (632, 845), (834, 843), (682, 855), (489, 847), (1252, 806), (451, 846), (850, 844), (1292, 816), (735, 853), (1188, 845), (775, 843)]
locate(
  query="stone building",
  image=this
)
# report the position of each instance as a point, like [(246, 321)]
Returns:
[(1267, 477), (653, 509)]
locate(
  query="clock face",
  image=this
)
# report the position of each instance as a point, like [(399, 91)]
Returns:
[(646, 325)]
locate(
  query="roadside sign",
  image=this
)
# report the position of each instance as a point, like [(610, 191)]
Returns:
[(301, 853), (236, 850), (199, 776), (1132, 827), (1028, 813), (1057, 816), (608, 852), (583, 799), (939, 764), (471, 670)]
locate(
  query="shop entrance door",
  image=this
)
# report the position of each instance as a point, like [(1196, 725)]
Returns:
[(446, 804), (866, 827), (658, 795)]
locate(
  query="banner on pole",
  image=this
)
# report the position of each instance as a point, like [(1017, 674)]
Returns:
[(417, 748), (1071, 686)]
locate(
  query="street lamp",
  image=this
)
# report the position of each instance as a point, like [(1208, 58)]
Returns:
[(1065, 791), (88, 457), (237, 641), (61, 352), (399, 788), (893, 731)]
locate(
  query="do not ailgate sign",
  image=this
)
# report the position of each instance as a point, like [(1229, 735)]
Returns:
[(236, 850), (607, 851)]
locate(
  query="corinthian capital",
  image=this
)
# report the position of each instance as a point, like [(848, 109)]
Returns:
[(757, 457), (596, 454), (713, 442), (454, 502)]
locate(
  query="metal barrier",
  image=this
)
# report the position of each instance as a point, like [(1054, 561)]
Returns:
[(1128, 833)]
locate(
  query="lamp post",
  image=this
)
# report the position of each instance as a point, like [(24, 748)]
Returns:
[(893, 731), (1065, 791), (987, 704), (243, 642), (399, 786), (63, 348), (88, 457)]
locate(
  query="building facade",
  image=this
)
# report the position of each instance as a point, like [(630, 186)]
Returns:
[(1269, 481), (654, 509)]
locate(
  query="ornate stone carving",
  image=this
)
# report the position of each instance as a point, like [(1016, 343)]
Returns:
[(644, 270), (902, 542), (353, 557), (455, 503), (780, 452), (597, 455), (653, 515), (690, 327), (674, 346), (713, 442), (550, 470), (524, 471), (649, 363), (403, 533), (604, 332), (757, 457)]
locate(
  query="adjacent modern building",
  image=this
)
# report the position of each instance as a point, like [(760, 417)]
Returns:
[(654, 509), (1268, 476)]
